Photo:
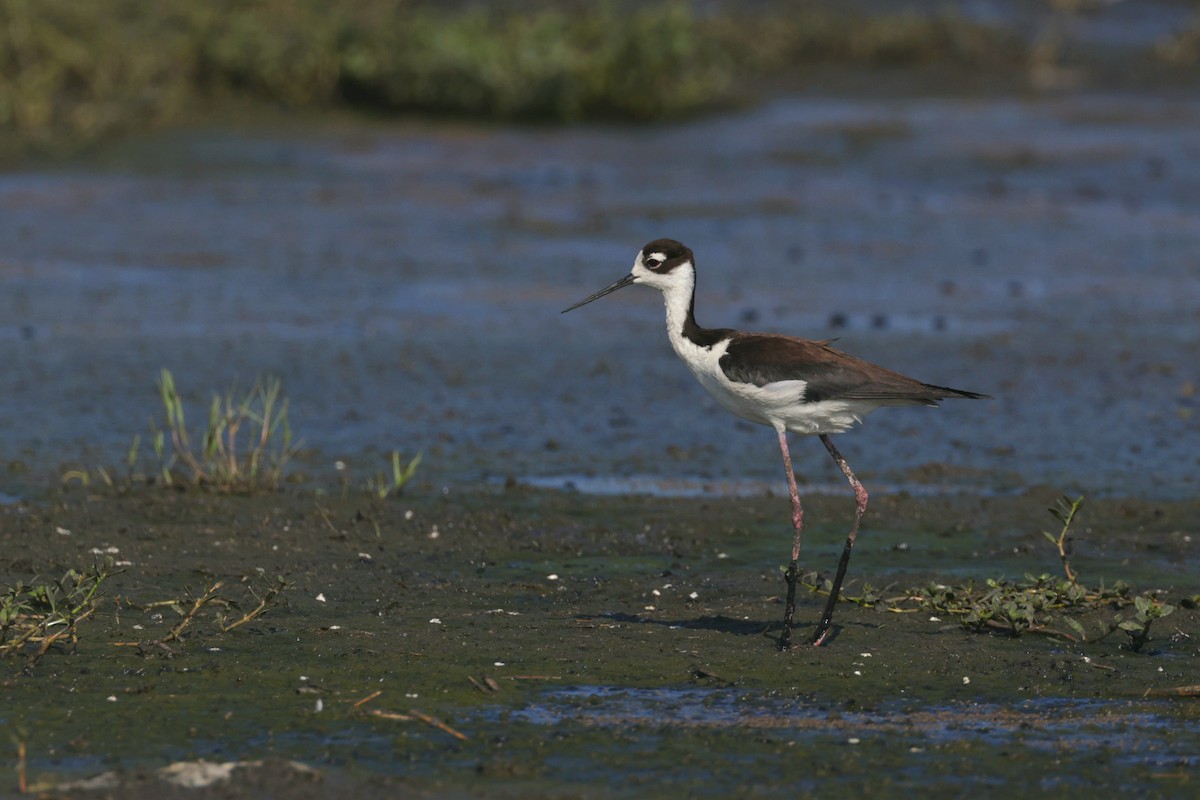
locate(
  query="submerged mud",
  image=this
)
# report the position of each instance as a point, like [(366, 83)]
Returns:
[(546, 644)]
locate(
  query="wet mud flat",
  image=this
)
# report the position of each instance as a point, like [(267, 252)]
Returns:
[(553, 644)]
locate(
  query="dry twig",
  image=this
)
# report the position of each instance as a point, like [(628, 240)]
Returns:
[(437, 723)]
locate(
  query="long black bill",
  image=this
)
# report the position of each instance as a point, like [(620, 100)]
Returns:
[(628, 279)]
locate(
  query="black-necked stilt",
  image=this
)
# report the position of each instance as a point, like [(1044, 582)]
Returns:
[(791, 384)]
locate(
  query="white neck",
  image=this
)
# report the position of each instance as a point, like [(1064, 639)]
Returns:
[(677, 298), (677, 287)]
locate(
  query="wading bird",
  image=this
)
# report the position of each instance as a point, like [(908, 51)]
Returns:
[(790, 384)]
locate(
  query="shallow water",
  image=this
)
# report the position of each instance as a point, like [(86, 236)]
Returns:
[(405, 281), (683, 486)]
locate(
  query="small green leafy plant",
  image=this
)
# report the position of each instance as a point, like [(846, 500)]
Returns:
[(1146, 611), (402, 473), (1035, 604), (1064, 510), (34, 617)]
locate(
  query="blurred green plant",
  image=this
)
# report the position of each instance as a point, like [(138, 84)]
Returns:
[(73, 72), (1182, 48), (402, 473)]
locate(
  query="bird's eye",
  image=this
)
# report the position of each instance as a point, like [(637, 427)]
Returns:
[(654, 261)]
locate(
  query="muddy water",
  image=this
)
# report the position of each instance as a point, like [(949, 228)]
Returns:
[(405, 281)]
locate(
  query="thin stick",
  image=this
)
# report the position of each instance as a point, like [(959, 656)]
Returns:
[(259, 609), (368, 698), (198, 604), (998, 625), (22, 783), (375, 712), (328, 521), (68, 631), (437, 723)]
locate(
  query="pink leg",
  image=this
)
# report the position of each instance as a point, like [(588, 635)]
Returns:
[(860, 498), (792, 574)]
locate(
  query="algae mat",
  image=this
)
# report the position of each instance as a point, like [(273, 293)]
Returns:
[(551, 644)]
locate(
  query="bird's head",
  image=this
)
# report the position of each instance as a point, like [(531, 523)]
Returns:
[(664, 264)]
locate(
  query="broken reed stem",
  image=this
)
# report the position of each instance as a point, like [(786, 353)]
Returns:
[(437, 723), (44, 642), (375, 712), (1007, 628), (412, 714), (258, 610), (328, 521), (22, 781), (198, 604)]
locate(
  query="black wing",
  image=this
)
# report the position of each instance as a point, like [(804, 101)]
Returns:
[(830, 374)]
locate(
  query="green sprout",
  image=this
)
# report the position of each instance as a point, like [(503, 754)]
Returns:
[(1064, 511), (401, 474)]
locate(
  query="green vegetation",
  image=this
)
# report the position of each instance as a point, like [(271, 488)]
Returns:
[(1034, 604), (35, 617), (381, 487), (1064, 511), (223, 460), (245, 447), (72, 73)]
